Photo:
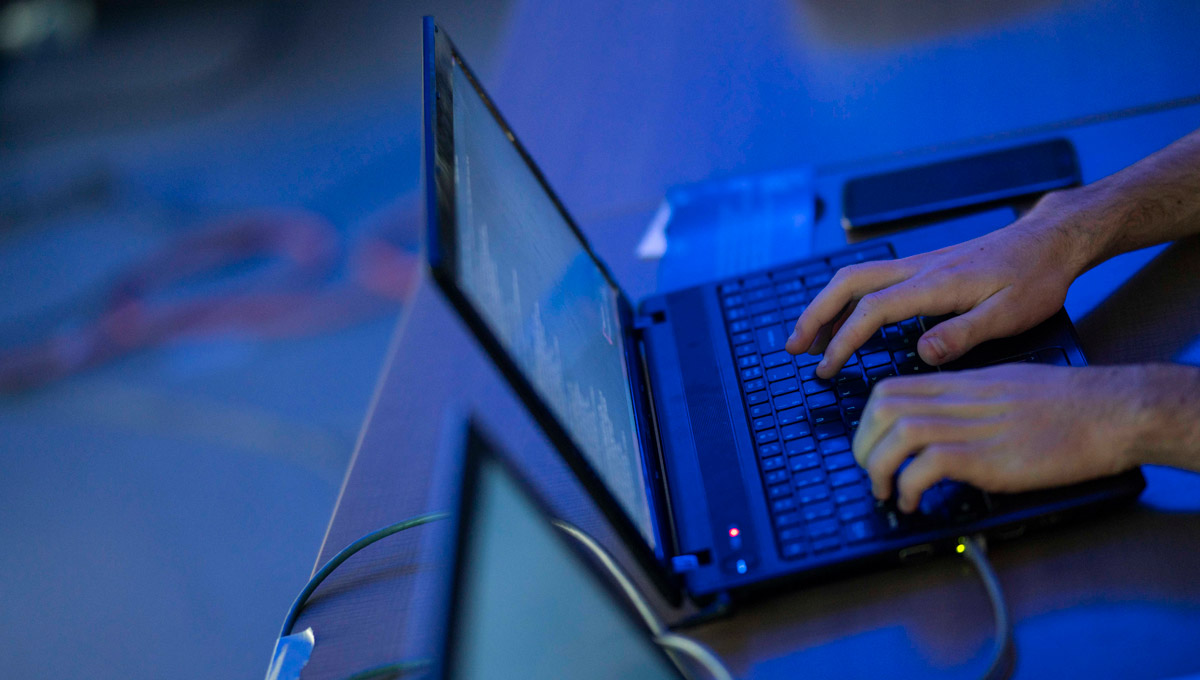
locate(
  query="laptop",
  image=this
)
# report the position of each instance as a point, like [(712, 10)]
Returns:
[(721, 461), (523, 600)]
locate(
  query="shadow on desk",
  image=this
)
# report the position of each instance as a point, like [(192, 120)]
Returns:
[(1153, 316), (1106, 585)]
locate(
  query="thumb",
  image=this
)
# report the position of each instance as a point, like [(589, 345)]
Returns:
[(954, 337)]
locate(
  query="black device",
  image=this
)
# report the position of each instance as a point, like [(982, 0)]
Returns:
[(523, 600), (960, 183), (720, 460)]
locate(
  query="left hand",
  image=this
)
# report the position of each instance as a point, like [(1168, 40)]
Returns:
[(1003, 429)]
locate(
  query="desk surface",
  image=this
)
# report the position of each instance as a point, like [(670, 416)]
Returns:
[(1116, 597)]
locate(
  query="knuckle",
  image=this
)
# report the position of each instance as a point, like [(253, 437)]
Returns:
[(907, 429)]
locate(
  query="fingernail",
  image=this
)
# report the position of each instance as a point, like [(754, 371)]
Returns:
[(937, 347), (824, 364), (792, 337)]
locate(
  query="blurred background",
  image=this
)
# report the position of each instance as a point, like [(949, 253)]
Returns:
[(209, 220)]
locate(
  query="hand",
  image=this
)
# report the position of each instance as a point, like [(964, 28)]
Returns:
[(1000, 284), (1003, 429)]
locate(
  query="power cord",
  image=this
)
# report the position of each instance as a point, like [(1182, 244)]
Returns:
[(390, 670), (1004, 653), (663, 636)]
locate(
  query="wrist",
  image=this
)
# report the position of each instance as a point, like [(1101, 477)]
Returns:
[(1078, 220), (1164, 416)]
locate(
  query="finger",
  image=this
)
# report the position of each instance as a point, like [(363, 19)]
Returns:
[(883, 412), (960, 462), (892, 304), (950, 339), (848, 284), (911, 434), (827, 331)]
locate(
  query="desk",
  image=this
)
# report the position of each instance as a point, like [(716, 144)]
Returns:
[(1116, 597)]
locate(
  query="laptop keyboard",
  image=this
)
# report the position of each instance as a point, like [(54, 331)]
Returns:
[(819, 497)]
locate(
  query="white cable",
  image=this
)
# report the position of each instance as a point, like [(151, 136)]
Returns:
[(662, 635), (1001, 665)]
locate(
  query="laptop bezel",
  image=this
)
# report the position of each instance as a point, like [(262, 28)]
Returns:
[(470, 447), (440, 243)]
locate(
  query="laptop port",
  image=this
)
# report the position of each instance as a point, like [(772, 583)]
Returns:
[(916, 553)]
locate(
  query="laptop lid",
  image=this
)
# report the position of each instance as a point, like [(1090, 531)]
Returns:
[(524, 601), (516, 267)]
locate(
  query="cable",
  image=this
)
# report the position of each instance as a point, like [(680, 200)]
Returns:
[(290, 620), (1003, 655), (661, 634)]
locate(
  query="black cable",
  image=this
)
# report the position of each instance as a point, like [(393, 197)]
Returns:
[(1003, 654), (294, 612)]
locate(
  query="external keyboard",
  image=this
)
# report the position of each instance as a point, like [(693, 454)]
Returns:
[(819, 497)]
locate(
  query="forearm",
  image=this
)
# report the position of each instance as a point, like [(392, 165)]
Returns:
[(1152, 201), (1167, 417)]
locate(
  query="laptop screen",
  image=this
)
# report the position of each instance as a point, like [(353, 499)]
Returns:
[(527, 606), (545, 299)]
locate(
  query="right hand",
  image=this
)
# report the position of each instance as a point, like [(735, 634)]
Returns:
[(999, 284)]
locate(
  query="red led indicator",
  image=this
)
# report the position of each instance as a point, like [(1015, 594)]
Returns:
[(733, 532)]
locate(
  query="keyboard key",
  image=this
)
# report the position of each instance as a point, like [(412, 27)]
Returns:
[(815, 385), (783, 504), (743, 350), (829, 429), (795, 430), (776, 359), (742, 338), (791, 551), (754, 385), (807, 359), (808, 369), (752, 372), (787, 519), (870, 361), (793, 299), (825, 527), (759, 295), (770, 449), (786, 401), (826, 544), (818, 510), (759, 410), (762, 307), (791, 534), (875, 343), (852, 511), (772, 463), (852, 388), (733, 300), (825, 415), (839, 461), (747, 361), (818, 279), (799, 446), (791, 415), (857, 532), (766, 436), (849, 494), (874, 375), (814, 476), (822, 400), (804, 461), (831, 446), (735, 313), (776, 476), (789, 286), (784, 386), (779, 491), (739, 326), (766, 319), (792, 313), (844, 478), (764, 423), (755, 398), (780, 372), (915, 368), (810, 494), (729, 287), (770, 339), (755, 282)]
